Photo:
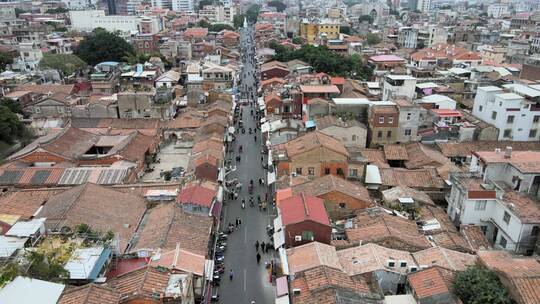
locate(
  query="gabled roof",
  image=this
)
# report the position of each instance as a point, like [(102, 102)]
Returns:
[(25, 203), (313, 140), (167, 225), (90, 294), (419, 178), (464, 149), (171, 75), (474, 237), (312, 255), (301, 208), (314, 89), (371, 257), (197, 195), (101, 208), (376, 225), (47, 88), (196, 32), (446, 258), (520, 275), (524, 161), (433, 282), (329, 183), (144, 282), (395, 152), (331, 286), (179, 259), (272, 80)]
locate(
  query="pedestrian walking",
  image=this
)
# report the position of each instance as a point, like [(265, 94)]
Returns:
[(257, 245), (236, 223), (258, 258), (263, 246), (231, 274), (239, 221)]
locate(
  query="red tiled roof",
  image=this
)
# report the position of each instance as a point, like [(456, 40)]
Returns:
[(337, 80), (385, 58), (196, 32), (431, 282), (197, 195), (308, 89), (301, 208), (524, 161), (446, 113)]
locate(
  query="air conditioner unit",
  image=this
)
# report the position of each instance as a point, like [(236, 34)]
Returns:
[(298, 238)]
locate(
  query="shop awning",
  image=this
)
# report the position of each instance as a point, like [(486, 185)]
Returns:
[(279, 239), (277, 223)]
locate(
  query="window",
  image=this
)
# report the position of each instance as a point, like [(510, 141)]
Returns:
[(534, 231), (480, 108), (342, 205), (506, 217), (327, 171), (480, 205), (381, 119), (408, 116), (353, 138), (483, 229), (493, 115), (510, 119), (407, 132), (503, 242), (507, 133), (379, 134), (402, 264), (311, 171), (307, 236), (339, 171), (299, 171), (60, 109), (390, 119), (388, 134), (37, 109), (353, 172), (532, 133), (536, 119)]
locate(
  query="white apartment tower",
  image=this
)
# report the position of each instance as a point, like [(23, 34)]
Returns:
[(183, 5)]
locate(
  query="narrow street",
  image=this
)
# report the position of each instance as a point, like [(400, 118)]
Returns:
[(251, 280)]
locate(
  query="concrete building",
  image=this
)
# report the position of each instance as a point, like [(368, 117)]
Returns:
[(383, 125), (411, 117), (497, 10), (512, 109), (510, 220), (183, 5), (395, 86), (91, 19), (156, 104)]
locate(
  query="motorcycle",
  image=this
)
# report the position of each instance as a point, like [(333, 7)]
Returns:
[(243, 205)]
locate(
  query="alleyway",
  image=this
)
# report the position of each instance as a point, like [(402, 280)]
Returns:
[(251, 280)]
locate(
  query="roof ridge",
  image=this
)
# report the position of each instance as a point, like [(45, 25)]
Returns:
[(450, 262), (304, 203), (375, 254)]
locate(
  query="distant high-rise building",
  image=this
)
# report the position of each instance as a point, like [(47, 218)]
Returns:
[(183, 5), (111, 7), (412, 4)]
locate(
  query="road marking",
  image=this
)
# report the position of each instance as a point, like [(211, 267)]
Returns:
[(245, 280), (245, 236)]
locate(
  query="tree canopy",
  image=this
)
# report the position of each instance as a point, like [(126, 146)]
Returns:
[(58, 10), (238, 20), (478, 285), (11, 128), (66, 63), (324, 60), (5, 59), (345, 29), (103, 46), (373, 39), (12, 105), (280, 6), (367, 18), (252, 13), (218, 27)]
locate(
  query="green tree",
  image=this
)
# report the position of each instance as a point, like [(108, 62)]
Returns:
[(297, 40), (11, 128), (5, 59), (478, 285), (218, 27), (367, 18), (373, 39), (252, 13), (280, 6), (238, 20), (12, 105), (65, 63), (58, 10), (45, 268), (103, 46), (203, 23), (8, 272), (345, 29), (19, 11)]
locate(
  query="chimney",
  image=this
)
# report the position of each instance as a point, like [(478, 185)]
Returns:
[(508, 152)]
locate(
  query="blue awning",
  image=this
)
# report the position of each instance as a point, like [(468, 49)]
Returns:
[(310, 124)]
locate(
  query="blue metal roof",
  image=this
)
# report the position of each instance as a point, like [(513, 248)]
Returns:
[(310, 124)]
